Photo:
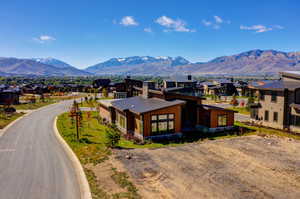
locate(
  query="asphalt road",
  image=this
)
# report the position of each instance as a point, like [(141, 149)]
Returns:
[(33, 165)]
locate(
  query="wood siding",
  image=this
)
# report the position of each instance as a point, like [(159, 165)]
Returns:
[(176, 110)]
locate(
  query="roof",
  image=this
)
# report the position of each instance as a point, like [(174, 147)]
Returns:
[(107, 102), (293, 74), (180, 79), (140, 104), (279, 85), (209, 107)]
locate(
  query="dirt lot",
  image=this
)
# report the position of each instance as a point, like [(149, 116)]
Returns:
[(244, 167)]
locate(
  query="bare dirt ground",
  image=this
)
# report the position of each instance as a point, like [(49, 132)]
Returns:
[(244, 167)]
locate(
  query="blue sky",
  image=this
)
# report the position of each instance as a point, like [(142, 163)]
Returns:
[(84, 33)]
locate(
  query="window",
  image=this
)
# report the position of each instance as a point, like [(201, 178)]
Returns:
[(275, 116), (121, 121), (222, 120), (262, 95), (266, 115), (295, 120), (161, 124), (273, 96)]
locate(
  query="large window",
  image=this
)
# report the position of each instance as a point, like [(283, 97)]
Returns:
[(275, 116), (262, 95), (222, 120), (121, 120), (161, 124), (274, 96), (266, 115)]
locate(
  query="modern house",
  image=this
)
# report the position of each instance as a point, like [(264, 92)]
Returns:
[(176, 82), (157, 112), (279, 103)]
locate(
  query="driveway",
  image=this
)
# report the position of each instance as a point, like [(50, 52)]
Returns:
[(33, 165)]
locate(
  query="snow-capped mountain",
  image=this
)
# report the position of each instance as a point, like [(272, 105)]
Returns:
[(53, 62), (139, 64)]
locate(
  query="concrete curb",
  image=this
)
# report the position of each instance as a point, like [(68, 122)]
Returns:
[(85, 192), (3, 131)]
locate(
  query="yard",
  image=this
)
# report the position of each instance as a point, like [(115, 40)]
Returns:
[(5, 119), (243, 167), (252, 166)]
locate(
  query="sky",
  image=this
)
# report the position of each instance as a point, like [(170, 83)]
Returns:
[(84, 33)]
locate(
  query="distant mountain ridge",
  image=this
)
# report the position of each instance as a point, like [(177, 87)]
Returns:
[(139, 64), (39, 67), (253, 61), (249, 62)]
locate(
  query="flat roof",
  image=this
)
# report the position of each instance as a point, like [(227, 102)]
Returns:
[(279, 85), (140, 104), (293, 74), (210, 107), (107, 102)]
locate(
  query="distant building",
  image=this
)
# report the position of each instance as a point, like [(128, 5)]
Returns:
[(177, 82), (279, 103)]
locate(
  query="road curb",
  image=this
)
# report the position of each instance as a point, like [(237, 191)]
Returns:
[(85, 192), (3, 131)]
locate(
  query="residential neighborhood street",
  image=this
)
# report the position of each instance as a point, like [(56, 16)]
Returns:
[(32, 162)]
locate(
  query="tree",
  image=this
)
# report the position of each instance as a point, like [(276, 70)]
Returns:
[(104, 92), (234, 101)]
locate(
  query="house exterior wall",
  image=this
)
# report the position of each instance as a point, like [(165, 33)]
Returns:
[(214, 117), (176, 110), (268, 105), (105, 113)]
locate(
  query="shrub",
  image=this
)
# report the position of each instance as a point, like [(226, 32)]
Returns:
[(113, 137)]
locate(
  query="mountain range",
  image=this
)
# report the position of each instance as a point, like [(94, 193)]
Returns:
[(250, 62)]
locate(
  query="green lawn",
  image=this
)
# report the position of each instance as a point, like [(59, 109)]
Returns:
[(6, 119), (92, 150), (241, 110), (31, 106)]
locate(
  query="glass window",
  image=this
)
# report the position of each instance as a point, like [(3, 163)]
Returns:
[(171, 125), (163, 117), (154, 127), (266, 115), (261, 95), (154, 117), (163, 123), (163, 126), (274, 96), (275, 116), (222, 120)]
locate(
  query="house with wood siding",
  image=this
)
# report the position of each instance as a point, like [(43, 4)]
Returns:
[(163, 113)]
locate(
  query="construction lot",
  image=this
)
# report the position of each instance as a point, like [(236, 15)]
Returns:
[(243, 167)]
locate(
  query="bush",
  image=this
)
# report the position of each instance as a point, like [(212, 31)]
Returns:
[(113, 137)]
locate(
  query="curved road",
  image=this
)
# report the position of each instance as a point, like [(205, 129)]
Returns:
[(33, 165)]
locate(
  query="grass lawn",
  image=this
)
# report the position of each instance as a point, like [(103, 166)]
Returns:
[(5, 120), (91, 150), (241, 110), (31, 106)]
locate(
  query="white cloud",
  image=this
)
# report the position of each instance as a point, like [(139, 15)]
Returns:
[(216, 22), (206, 23), (260, 28), (128, 21), (44, 39), (177, 25), (148, 30), (218, 19)]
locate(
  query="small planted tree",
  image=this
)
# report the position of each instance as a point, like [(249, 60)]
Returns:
[(112, 138)]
